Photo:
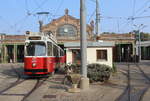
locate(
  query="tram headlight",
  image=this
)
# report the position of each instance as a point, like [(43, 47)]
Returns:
[(34, 64)]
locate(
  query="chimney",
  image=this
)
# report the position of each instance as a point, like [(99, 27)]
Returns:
[(41, 24)]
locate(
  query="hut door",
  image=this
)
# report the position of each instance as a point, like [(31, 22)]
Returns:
[(76, 56)]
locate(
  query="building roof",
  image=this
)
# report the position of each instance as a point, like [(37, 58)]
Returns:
[(116, 37), (144, 43), (13, 39), (90, 44)]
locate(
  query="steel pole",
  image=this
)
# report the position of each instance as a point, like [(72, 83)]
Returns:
[(97, 18), (83, 39), (139, 45)]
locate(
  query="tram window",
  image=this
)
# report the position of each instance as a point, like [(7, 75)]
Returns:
[(50, 49), (58, 52), (55, 50), (61, 53), (36, 49)]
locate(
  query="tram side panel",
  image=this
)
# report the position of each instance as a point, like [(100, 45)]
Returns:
[(50, 64)]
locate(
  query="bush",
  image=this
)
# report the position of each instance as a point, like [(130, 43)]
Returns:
[(74, 68), (95, 72), (98, 72)]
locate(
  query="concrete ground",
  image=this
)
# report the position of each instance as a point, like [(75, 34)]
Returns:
[(98, 91), (54, 90)]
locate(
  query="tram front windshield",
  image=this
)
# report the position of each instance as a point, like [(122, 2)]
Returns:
[(36, 49)]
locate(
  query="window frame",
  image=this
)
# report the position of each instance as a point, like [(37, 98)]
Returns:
[(100, 57), (72, 30), (35, 43), (52, 54)]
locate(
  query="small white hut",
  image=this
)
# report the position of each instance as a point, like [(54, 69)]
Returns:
[(97, 52)]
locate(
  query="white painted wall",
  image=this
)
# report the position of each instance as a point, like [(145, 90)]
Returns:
[(91, 56), (68, 56)]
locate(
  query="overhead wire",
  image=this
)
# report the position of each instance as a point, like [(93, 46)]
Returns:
[(145, 10), (29, 13), (92, 0), (91, 16), (130, 20), (38, 5), (143, 6), (26, 6), (133, 11), (59, 6), (5, 22)]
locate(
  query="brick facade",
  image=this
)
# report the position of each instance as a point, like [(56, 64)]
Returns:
[(55, 24)]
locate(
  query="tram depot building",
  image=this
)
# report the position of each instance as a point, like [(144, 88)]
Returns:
[(66, 29)]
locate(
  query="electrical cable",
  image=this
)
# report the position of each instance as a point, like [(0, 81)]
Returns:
[(38, 5), (144, 11), (29, 13), (59, 6), (133, 11), (142, 6), (91, 16), (26, 5)]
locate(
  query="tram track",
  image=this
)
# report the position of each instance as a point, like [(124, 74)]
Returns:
[(20, 80), (15, 83), (147, 77), (36, 86), (128, 94), (127, 89)]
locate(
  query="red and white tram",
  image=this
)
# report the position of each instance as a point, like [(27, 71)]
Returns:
[(42, 54)]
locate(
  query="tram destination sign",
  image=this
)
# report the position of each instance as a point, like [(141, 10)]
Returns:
[(34, 38)]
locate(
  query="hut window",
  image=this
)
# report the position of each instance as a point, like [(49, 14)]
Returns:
[(101, 54)]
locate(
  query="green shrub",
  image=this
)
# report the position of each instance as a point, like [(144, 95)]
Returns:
[(75, 68), (98, 72), (95, 72)]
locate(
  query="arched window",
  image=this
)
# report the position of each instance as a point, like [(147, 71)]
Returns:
[(66, 30)]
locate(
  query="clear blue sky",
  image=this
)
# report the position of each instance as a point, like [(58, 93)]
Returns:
[(17, 16)]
